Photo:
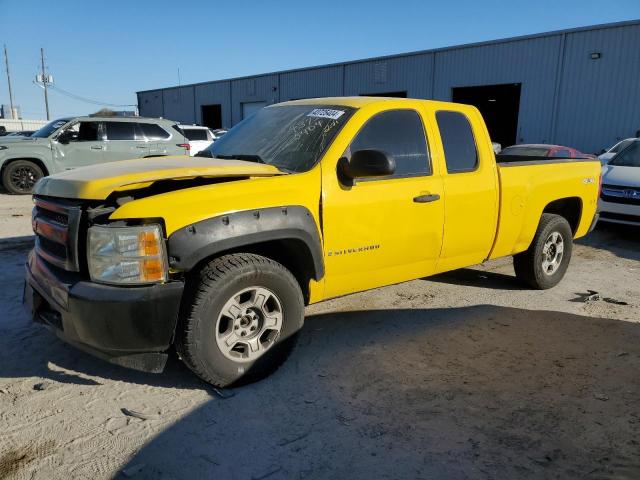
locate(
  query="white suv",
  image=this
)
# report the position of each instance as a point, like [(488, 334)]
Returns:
[(199, 137)]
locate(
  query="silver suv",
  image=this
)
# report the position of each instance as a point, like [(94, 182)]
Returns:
[(80, 141)]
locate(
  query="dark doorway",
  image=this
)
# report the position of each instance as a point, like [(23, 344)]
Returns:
[(385, 94), (499, 105), (212, 116)]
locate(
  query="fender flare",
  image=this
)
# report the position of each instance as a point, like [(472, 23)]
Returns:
[(198, 241)]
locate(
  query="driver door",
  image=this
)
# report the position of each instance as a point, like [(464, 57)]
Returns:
[(79, 145), (384, 230)]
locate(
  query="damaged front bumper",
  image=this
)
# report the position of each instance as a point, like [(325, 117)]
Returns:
[(129, 326)]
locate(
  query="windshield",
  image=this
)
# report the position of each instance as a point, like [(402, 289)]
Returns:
[(528, 151), (629, 157), (291, 137), (620, 146), (49, 128)]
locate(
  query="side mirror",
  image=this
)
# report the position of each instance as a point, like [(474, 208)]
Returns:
[(66, 137), (366, 164)]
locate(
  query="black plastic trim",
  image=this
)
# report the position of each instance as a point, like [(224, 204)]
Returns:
[(195, 242)]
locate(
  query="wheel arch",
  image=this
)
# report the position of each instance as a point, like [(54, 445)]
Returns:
[(570, 208), (288, 235), (36, 160)]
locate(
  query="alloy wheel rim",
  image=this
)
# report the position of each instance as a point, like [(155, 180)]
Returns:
[(249, 324), (24, 178), (552, 253)]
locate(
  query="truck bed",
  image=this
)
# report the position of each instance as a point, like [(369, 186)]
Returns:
[(528, 185)]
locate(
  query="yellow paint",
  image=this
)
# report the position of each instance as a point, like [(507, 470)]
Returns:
[(373, 233)]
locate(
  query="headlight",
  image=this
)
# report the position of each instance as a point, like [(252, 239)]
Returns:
[(126, 255)]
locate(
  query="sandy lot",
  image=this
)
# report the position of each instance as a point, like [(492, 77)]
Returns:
[(465, 375)]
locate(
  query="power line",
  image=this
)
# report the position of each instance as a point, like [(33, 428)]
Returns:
[(89, 100)]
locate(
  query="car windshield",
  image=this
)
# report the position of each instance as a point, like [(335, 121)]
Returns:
[(289, 137), (49, 128), (620, 146), (629, 157), (527, 151)]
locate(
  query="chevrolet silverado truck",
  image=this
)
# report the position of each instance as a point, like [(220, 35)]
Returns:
[(217, 255)]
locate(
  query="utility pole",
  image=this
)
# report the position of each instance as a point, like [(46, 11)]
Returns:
[(45, 82), (6, 61)]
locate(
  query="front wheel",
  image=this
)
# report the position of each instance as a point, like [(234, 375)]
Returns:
[(546, 261), (240, 319), (20, 176)]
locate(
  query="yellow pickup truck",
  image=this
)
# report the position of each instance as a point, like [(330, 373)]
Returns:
[(307, 200)]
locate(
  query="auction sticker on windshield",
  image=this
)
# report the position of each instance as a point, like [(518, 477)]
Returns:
[(325, 113)]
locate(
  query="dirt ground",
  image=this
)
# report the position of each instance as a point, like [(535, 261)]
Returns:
[(462, 376)]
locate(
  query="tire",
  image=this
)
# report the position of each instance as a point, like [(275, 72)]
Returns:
[(533, 266), (19, 177), (234, 299)]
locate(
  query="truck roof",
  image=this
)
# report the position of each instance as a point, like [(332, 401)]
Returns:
[(355, 102)]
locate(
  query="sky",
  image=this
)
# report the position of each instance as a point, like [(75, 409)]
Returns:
[(108, 50)]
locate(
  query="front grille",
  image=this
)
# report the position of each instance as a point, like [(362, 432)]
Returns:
[(55, 223), (620, 194)]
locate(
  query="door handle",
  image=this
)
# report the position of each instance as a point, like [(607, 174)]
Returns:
[(141, 146), (426, 198), (96, 147)]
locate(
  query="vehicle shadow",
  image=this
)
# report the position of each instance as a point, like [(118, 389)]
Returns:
[(478, 278), (621, 240), (477, 392)]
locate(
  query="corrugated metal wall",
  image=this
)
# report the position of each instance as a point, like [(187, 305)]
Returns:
[(311, 83), (215, 93), (531, 62), (566, 97), (178, 104), (411, 74), (254, 89), (599, 100)]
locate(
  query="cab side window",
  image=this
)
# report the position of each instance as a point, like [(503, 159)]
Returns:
[(399, 133), (88, 132), (457, 139), (121, 131)]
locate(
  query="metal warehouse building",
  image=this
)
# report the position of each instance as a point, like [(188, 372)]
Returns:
[(578, 87)]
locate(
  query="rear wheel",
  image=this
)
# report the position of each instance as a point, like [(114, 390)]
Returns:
[(241, 319), (546, 261), (20, 176)]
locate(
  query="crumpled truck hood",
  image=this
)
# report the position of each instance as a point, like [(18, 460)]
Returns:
[(97, 182)]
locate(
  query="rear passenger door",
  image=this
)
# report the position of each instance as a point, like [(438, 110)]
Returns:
[(124, 141), (470, 187)]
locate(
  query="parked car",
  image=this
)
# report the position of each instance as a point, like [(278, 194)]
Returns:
[(620, 194), (21, 133), (618, 147), (302, 202), (219, 132), (199, 137), (542, 150), (72, 142)]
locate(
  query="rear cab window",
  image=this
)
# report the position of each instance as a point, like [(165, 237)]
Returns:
[(399, 133), (460, 152)]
